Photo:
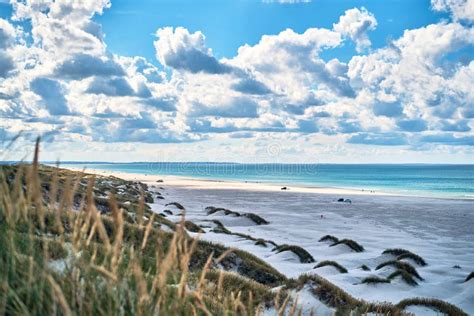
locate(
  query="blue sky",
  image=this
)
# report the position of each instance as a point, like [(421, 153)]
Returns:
[(227, 24), (239, 80)]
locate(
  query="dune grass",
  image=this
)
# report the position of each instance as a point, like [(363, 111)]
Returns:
[(257, 219), (343, 302), (303, 255), (114, 263), (405, 254), (334, 264), (211, 210), (405, 276), (177, 205), (349, 243), (374, 280), (441, 306), (193, 227), (469, 277), (365, 267), (330, 238), (400, 265)]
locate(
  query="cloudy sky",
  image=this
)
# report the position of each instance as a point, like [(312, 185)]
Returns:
[(238, 80)]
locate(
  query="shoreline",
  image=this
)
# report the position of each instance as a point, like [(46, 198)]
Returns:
[(225, 184)]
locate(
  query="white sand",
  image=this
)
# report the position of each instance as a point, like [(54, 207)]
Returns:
[(439, 230)]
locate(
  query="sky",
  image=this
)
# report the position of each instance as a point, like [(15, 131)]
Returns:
[(330, 81)]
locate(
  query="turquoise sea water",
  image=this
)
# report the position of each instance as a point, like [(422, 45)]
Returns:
[(455, 181)]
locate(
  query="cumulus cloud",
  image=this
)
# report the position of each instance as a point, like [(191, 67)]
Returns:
[(386, 139), (251, 86), (114, 87), (60, 77), (355, 23), (82, 66), (233, 107), (52, 94), (449, 139), (460, 9), (389, 109), (6, 64), (179, 49), (7, 34)]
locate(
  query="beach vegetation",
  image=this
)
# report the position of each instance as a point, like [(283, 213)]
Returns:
[(405, 276), (365, 267), (330, 238), (349, 243), (334, 264), (469, 277), (374, 280), (400, 265), (303, 255)]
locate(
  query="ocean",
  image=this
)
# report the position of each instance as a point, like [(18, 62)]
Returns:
[(446, 181)]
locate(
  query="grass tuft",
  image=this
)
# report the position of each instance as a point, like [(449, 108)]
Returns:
[(400, 265), (405, 254), (374, 280), (443, 307), (469, 277), (304, 256), (350, 243), (193, 227), (405, 276), (334, 264), (330, 238), (365, 267), (178, 205)]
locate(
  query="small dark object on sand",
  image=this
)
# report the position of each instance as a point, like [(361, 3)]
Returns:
[(345, 200), (284, 188), (159, 181)]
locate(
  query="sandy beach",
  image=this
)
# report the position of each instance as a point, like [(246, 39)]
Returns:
[(439, 230)]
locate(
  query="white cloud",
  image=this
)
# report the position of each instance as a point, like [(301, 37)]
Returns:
[(460, 9), (63, 81), (181, 50), (355, 24)]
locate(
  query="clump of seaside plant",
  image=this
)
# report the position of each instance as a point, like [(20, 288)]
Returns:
[(334, 264), (405, 254), (350, 243), (374, 280), (400, 265), (330, 238), (303, 255)]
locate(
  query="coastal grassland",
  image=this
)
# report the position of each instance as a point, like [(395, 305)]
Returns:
[(60, 255), (334, 264)]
